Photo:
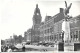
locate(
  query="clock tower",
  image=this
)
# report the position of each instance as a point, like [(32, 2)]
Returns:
[(36, 17)]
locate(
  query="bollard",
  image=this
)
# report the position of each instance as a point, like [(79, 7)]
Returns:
[(76, 46), (61, 46)]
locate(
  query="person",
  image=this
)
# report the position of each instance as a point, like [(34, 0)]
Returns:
[(9, 50), (23, 48), (14, 49), (62, 36), (2, 49), (6, 48)]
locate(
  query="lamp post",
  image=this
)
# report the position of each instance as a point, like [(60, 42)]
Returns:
[(62, 36)]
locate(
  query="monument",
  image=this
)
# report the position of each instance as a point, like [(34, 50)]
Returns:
[(63, 46), (68, 45), (66, 24)]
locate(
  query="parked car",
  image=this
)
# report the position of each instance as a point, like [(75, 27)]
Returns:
[(46, 44)]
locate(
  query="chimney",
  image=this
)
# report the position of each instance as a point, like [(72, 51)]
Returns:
[(61, 10)]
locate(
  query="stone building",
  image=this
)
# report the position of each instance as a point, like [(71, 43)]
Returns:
[(34, 32), (27, 35), (37, 18), (75, 28), (51, 28)]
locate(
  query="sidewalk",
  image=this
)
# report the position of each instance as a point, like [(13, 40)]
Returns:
[(69, 47)]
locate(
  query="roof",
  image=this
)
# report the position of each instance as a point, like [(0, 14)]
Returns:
[(58, 17), (47, 18)]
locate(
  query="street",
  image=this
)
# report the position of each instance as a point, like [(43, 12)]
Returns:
[(36, 48)]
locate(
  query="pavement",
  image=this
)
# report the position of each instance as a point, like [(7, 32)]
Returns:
[(69, 47), (46, 48)]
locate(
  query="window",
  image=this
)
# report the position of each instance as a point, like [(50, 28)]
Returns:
[(76, 34), (45, 31), (79, 35), (71, 34), (51, 29)]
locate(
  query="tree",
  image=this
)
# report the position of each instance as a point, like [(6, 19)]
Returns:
[(20, 38), (2, 42), (25, 36), (15, 38)]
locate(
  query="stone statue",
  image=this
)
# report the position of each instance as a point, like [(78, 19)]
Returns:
[(66, 24), (66, 10)]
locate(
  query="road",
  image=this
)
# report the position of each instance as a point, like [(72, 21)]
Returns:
[(36, 48)]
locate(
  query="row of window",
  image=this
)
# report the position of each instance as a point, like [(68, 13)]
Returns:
[(75, 35), (49, 38), (50, 30)]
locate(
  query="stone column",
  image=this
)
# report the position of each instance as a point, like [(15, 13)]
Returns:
[(66, 29)]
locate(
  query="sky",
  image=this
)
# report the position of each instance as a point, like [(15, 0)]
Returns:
[(16, 15)]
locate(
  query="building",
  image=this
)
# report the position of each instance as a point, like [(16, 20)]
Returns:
[(75, 28), (50, 30), (33, 33), (37, 18), (27, 35)]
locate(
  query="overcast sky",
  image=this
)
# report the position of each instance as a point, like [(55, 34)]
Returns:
[(16, 15)]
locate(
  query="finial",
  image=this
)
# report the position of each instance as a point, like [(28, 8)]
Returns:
[(36, 5)]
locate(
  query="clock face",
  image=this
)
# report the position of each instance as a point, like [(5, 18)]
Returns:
[(37, 13)]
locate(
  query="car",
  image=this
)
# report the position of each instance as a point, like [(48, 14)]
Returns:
[(43, 44)]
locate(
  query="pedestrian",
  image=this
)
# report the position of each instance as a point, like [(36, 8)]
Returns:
[(2, 49), (9, 50), (6, 48), (23, 48)]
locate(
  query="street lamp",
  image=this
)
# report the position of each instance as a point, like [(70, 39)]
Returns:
[(62, 36)]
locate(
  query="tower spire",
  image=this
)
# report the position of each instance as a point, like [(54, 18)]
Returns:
[(37, 10), (37, 16), (36, 5)]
